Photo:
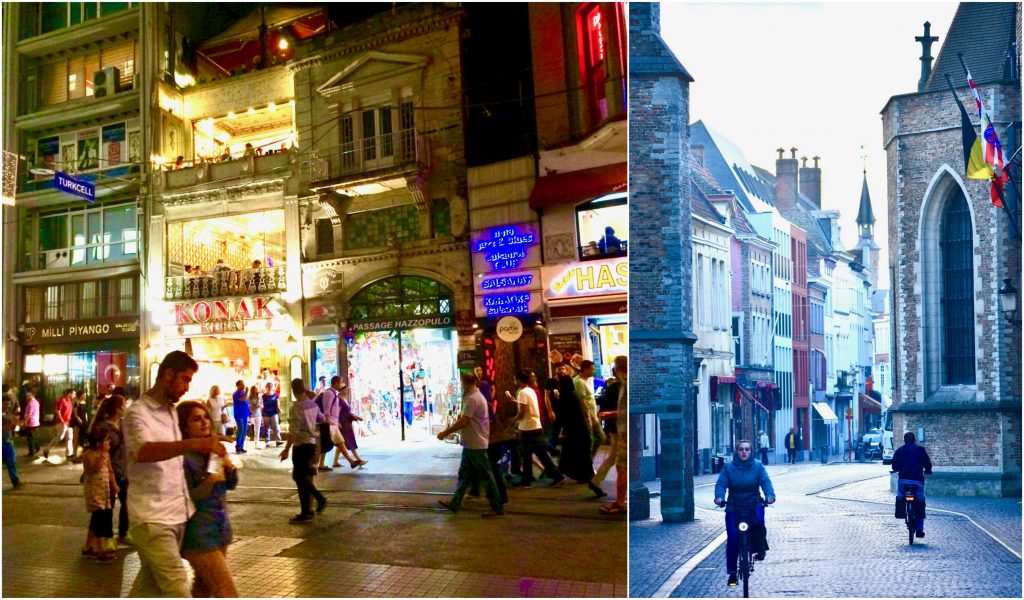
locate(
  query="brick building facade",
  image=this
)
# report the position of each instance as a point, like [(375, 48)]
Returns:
[(660, 321), (957, 360)]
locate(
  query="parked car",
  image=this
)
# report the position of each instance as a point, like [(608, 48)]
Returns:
[(872, 444)]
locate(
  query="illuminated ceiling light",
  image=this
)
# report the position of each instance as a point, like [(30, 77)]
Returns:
[(231, 115), (272, 106), (251, 111), (283, 44)]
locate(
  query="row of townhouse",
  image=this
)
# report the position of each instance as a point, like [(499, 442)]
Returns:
[(782, 314), (340, 189)]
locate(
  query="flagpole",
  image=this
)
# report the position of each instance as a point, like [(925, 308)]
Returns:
[(1011, 213)]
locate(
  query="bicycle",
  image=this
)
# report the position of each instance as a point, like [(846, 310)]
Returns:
[(745, 565), (909, 496)]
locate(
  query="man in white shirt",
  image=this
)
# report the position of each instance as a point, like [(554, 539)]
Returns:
[(474, 425), (158, 498), (584, 385), (531, 432)]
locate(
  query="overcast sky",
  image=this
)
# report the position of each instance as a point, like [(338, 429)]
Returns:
[(810, 75)]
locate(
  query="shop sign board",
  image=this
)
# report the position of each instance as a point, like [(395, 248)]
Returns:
[(321, 281), (506, 248), (499, 305), (510, 329), (516, 281), (320, 313), (587, 278), (410, 323), (220, 315), (78, 331), (76, 187)]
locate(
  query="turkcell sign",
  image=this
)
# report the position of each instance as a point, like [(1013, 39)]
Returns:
[(75, 187)]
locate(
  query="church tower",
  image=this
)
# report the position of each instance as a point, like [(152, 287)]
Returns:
[(867, 249)]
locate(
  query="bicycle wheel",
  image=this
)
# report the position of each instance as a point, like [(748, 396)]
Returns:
[(744, 569), (910, 522)]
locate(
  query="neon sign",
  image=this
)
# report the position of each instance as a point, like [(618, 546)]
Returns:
[(507, 281), (507, 304), (593, 278), (505, 247)]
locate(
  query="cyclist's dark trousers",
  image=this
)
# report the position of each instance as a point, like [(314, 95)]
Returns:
[(757, 537)]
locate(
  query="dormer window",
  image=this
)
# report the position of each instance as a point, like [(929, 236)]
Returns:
[(602, 227)]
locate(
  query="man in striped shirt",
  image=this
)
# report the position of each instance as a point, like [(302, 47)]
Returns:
[(303, 418)]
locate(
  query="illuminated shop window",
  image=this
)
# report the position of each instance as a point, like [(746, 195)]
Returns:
[(602, 227)]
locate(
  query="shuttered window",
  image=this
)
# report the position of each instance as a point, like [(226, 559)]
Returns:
[(70, 78), (53, 82)]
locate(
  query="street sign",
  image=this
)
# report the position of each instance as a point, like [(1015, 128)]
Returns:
[(76, 187)]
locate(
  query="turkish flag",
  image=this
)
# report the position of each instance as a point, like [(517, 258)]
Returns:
[(111, 368)]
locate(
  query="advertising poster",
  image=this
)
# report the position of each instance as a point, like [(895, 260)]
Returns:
[(47, 151), (88, 153), (114, 137), (565, 348)]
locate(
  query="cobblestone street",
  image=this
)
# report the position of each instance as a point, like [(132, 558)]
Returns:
[(381, 535), (832, 534)]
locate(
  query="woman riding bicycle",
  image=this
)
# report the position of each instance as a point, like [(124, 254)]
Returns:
[(745, 477)]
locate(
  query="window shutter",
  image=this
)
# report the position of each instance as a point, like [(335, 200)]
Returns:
[(53, 82), (76, 77), (92, 64), (121, 56)]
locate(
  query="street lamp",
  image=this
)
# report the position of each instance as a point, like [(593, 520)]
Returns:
[(1008, 300)]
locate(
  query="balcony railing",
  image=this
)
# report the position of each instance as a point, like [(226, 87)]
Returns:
[(235, 282), (232, 168), (395, 151)]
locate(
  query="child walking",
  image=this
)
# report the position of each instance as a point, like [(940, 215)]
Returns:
[(100, 488)]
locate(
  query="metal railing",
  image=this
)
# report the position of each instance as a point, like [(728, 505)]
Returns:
[(235, 282), (392, 150)]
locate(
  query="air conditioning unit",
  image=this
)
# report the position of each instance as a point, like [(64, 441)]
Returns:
[(106, 82)]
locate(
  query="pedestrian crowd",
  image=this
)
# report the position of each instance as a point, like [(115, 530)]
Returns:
[(164, 464), (501, 436)]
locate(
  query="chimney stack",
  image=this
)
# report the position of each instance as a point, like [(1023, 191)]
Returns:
[(810, 182), (786, 180)]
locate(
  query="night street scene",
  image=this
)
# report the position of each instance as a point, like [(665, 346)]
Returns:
[(314, 300), (825, 319)]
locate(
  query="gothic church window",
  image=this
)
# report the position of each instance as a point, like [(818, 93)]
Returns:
[(957, 292)]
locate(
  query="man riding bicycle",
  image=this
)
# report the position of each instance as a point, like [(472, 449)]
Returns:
[(912, 463), (744, 478)]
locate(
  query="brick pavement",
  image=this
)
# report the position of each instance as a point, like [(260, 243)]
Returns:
[(381, 536), (871, 560)]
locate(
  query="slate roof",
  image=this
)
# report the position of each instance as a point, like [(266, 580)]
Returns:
[(728, 165), (864, 215), (702, 183), (982, 32)]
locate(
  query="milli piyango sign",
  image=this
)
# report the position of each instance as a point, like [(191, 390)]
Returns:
[(56, 332)]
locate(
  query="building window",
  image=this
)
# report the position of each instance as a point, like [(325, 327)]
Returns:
[(72, 77), (957, 292), (401, 297), (72, 238), (592, 52), (602, 227), (324, 236)]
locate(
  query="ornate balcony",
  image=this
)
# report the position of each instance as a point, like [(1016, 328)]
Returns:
[(374, 158), (241, 282)]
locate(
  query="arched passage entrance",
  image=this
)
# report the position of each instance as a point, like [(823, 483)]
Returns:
[(402, 328)]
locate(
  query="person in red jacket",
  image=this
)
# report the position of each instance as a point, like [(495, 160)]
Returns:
[(62, 424)]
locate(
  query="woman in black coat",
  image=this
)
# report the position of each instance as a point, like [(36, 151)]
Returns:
[(575, 461)]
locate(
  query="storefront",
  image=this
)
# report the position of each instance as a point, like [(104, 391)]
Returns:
[(86, 354), (401, 351), (232, 338), (586, 302)]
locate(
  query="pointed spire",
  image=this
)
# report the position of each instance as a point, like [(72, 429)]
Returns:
[(865, 217)]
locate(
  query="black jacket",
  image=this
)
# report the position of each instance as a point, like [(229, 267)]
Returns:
[(911, 462)]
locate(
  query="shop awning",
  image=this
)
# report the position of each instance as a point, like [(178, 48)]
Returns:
[(576, 186), (870, 404), (825, 412), (587, 309), (208, 349)]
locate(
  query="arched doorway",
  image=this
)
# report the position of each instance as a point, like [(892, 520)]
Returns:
[(402, 328)]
